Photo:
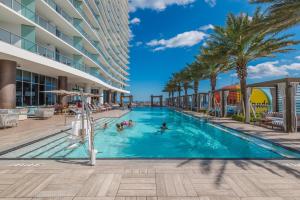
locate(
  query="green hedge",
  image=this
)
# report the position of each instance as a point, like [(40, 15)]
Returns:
[(241, 118)]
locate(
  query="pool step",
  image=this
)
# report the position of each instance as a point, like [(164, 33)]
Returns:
[(22, 152), (54, 146), (46, 148), (101, 122)]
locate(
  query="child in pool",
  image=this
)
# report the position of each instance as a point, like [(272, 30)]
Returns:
[(163, 127), (105, 126), (119, 127)]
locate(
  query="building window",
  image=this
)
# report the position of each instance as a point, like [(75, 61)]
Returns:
[(30, 89)]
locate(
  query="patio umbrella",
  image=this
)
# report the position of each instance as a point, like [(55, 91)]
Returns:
[(63, 92)]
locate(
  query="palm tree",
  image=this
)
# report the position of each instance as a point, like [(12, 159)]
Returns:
[(211, 69), (197, 71), (242, 47), (177, 81), (186, 78), (168, 90), (281, 14), (170, 87)]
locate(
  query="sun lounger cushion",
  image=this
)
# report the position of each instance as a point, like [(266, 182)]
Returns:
[(44, 113), (8, 120)]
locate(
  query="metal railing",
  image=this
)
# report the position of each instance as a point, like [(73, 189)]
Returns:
[(80, 29), (31, 15), (38, 49)]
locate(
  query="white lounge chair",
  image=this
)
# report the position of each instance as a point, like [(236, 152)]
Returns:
[(44, 113)]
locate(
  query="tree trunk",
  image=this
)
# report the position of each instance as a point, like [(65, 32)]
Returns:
[(244, 102), (172, 94), (242, 75), (179, 100), (196, 86), (185, 97), (169, 100), (213, 83)]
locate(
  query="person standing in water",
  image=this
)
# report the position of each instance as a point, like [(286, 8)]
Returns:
[(164, 127)]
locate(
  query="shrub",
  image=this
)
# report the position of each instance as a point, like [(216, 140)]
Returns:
[(241, 118)]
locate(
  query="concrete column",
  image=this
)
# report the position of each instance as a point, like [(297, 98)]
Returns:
[(63, 85), (273, 92), (101, 101), (151, 101), (223, 103), (115, 97), (121, 99), (7, 84), (88, 89), (109, 96), (288, 110)]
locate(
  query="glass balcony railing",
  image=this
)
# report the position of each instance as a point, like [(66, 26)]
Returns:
[(29, 14), (15, 5), (96, 17), (38, 49), (80, 29)]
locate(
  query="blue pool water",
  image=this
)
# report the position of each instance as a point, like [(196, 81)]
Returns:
[(187, 137)]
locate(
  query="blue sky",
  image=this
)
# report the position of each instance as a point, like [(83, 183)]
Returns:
[(167, 34)]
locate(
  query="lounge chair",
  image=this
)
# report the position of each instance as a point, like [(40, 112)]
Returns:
[(107, 106), (22, 113), (115, 106), (9, 118), (273, 119), (102, 108), (44, 113), (92, 108), (31, 112)]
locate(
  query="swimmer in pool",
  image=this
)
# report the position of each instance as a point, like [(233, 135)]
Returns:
[(127, 123), (119, 127), (164, 126), (105, 126)]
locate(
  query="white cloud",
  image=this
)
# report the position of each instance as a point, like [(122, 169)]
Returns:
[(135, 21), (271, 69), (158, 5), (186, 39), (139, 43), (233, 75), (266, 69), (206, 27), (249, 17), (212, 3)]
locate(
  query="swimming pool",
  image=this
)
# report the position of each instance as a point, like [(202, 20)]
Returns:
[(187, 137)]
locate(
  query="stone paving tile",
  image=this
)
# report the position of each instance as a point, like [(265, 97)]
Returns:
[(209, 181)]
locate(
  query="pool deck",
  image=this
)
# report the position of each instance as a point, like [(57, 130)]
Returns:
[(32, 129), (150, 180), (290, 140)]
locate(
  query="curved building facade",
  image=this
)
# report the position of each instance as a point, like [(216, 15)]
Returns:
[(70, 45)]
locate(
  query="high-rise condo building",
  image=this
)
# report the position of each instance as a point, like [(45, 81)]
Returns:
[(62, 45)]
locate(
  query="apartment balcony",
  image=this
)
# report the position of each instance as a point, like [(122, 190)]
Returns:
[(20, 42), (81, 30), (29, 14)]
